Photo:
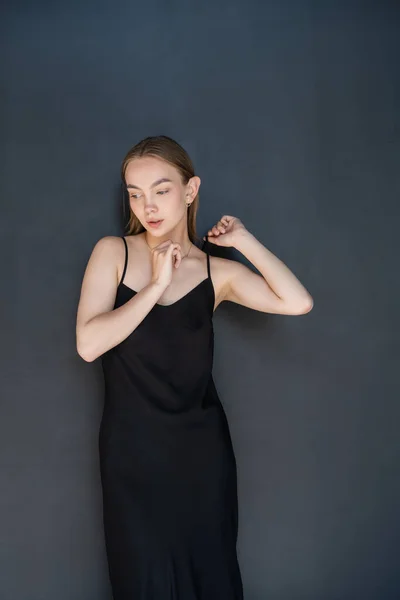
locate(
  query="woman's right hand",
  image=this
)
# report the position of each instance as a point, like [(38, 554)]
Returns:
[(164, 258)]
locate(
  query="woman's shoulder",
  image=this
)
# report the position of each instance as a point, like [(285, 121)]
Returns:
[(117, 242), (108, 243), (111, 249)]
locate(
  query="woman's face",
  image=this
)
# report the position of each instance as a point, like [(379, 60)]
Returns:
[(156, 193)]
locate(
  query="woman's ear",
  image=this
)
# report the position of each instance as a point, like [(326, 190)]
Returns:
[(194, 184)]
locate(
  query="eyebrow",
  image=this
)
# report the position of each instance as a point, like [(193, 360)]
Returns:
[(162, 180)]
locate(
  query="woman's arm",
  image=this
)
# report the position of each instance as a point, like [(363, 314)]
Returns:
[(277, 291), (98, 326)]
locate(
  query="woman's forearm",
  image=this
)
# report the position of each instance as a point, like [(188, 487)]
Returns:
[(109, 329), (278, 276)]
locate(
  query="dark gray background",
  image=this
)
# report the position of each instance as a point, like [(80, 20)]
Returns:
[(290, 112)]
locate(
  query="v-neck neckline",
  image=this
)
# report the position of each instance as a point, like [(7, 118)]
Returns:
[(202, 282)]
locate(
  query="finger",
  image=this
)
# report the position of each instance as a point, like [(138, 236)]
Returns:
[(214, 239), (171, 247), (221, 226), (178, 259), (176, 255), (162, 246)]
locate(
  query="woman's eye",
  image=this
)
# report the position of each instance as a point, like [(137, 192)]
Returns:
[(162, 192)]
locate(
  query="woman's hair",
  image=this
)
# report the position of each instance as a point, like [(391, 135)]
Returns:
[(167, 149)]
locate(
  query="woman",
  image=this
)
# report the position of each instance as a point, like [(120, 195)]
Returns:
[(168, 468)]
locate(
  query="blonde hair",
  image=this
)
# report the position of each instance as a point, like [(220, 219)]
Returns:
[(167, 149)]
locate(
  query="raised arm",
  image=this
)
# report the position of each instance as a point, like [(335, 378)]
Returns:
[(276, 290)]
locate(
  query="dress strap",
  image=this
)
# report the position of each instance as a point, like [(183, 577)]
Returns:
[(208, 256), (126, 260)]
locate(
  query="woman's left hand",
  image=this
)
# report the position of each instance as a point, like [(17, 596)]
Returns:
[(225, 231)]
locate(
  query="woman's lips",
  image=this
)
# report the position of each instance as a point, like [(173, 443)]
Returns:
[(155, 223)]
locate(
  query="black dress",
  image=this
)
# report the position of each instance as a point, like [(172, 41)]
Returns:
[(168, 469)]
